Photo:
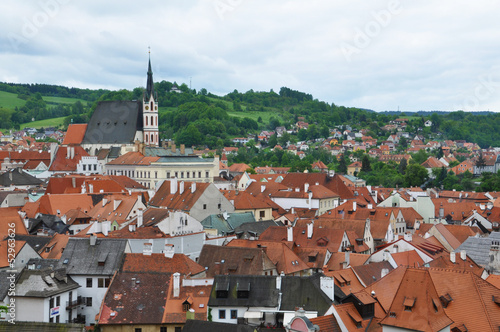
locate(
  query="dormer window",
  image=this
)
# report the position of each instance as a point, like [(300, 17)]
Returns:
[(408, 303)]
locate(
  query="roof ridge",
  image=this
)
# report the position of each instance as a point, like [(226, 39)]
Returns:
[(482, 302)]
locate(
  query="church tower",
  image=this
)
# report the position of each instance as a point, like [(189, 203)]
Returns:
[(150, 112)]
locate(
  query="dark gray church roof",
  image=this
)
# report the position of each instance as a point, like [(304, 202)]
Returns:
[(114, 122)]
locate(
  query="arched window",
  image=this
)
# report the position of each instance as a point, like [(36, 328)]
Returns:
[(151, 106), (146, 121), (152, 122), (152, 138), (156, 121), (146, 138)]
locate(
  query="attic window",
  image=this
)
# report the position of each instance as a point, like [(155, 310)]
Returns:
[(445, 300), (101, 260), (392, 314), (243, 290), (495, 299), (435, 305), (248, 258), (66, 261), (222, 289), (408, 303)]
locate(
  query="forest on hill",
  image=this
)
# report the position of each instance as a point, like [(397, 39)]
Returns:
[(199, 118)]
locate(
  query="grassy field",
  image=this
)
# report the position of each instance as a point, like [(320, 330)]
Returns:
[(10, 101), (63, 100), (44, 123)]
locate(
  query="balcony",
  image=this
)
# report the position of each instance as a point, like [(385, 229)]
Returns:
[(70, 305)]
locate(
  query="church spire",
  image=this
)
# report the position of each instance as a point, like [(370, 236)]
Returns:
[(150, 91)]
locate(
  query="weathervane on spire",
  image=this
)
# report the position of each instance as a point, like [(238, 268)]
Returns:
[(149, 49)]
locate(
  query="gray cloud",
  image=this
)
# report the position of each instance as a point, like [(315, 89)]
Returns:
[(415, 56)]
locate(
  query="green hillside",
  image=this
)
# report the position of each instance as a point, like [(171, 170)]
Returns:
[(10, 101)]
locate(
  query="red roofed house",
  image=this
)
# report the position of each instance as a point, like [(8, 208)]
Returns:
[(75, 134), (198, 199)]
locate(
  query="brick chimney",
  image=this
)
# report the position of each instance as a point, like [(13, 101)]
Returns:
[(183, 149)]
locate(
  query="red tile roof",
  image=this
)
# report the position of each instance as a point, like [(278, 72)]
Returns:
[(178, 201), (62, 163), (161, 264), (133, 158), (54, 249), (75, 134), (9, 216), (59, 205), (418, 293)]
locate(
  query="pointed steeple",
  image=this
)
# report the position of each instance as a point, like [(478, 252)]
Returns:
[(150, 91)]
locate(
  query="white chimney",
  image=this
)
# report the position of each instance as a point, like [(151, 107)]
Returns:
[(386, 255), (293, 210), (193, 187), (384, 273), (73, 182), (93, 240), (370, 206), (452, 257), (279, 279), (181, 188), (177, 284), (104, 201), (262, 188), (116, 204), (173, 186), (463, 255), (68, 152), (310, 230), (306, 187), (408, 237), (169, 250), (91, 188), (140, 217), (105, 227), (310, 200), (72, 149), (289, 234), (347, 257), (131, 228), (354, 206), (147, 249)]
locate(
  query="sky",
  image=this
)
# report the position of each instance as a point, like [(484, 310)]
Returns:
[(380, 55)]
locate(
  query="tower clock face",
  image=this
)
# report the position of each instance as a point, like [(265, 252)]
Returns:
[(147, 107)]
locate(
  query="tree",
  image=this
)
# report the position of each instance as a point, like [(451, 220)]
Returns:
[(402, 166), (342, 166), (480, 162), (415, 175), (273, 140), (365, 164)]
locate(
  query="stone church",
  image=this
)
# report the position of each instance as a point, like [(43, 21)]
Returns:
[(118, 127)]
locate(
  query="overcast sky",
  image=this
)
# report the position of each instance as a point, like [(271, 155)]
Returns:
[(380, 55)]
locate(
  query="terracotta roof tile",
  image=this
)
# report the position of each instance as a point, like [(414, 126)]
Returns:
[(416, 304), (9, 216), (75, 134), (54, 249), (159, 263), (62, 163)]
